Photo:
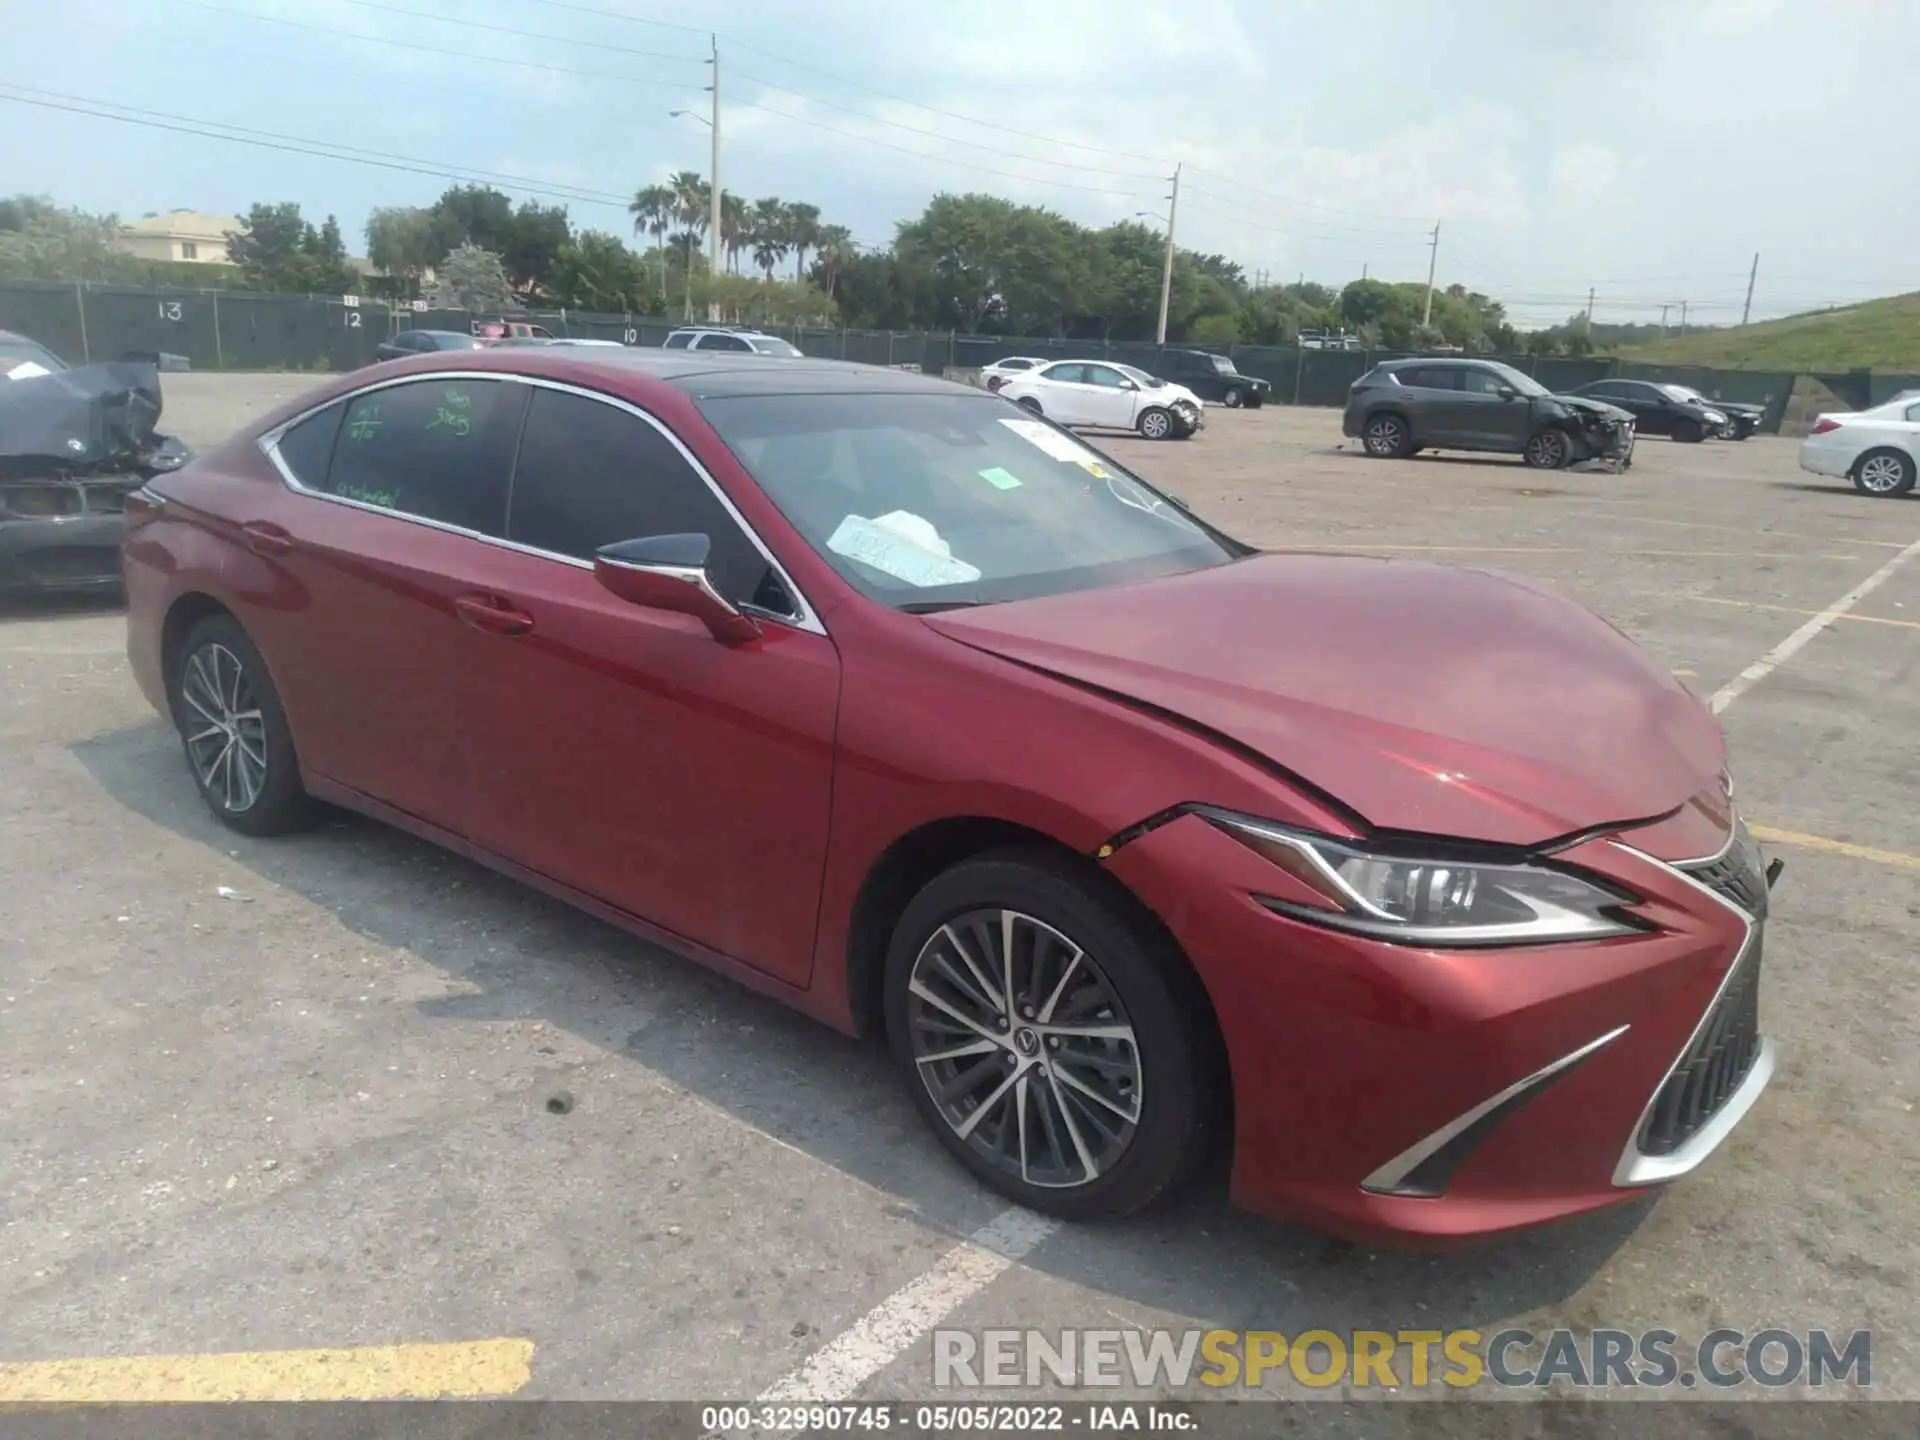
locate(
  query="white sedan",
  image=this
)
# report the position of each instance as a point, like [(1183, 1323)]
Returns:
[(997, 374), (1877, 449), (1096, 394)]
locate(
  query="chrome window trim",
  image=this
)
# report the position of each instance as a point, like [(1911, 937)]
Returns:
[(1636, 1169), (1388, 1179), (806, 618)]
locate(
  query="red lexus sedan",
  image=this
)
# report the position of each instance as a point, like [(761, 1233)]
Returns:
[(894, 701)]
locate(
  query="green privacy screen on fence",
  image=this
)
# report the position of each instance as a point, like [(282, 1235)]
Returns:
[(241, 330)]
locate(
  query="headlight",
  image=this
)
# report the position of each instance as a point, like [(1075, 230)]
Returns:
[(1434, 900), (1716, 417)]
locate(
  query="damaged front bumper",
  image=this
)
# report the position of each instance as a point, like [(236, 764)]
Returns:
[(62, 536), (1603, 444)]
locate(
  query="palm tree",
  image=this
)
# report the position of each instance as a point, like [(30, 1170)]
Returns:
[(736, 228), (692, 200), (803, 233), (652, 211), (769, 233), (836, 252)]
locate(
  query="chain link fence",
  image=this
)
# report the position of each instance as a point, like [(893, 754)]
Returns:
[(239, 330)]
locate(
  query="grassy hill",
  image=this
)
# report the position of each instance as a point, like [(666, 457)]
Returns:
[(1879, 335)]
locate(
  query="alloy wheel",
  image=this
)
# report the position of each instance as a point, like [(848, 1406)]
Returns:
[(1025, 1048), (1881, 474), (1385, 436), (225, 731), (1155, 424), (1546, 450)]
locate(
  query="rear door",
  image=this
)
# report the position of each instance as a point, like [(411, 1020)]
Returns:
[(1068, 397), (396, 498), (1432, 400), (624, 751)]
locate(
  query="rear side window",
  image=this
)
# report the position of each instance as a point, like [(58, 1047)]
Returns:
[(678, 342), (722, 342), (440, 449), (1072, 374), (591, 474), (307, 449), (1430, 378)]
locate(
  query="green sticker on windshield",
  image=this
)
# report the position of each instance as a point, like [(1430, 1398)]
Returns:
[(1001, 479)]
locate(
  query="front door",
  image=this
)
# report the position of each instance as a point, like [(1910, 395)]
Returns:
[(626, 752), (1493, 417), (1112, 401), (401, 497)]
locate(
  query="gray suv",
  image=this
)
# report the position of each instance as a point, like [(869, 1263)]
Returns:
[(723, 337), (1401, 407)]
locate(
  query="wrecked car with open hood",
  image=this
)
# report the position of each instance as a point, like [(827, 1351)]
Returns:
[(74, 443), (1401, 407)]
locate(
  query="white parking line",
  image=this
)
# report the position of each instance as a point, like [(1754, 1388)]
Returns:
[(1781, 653), (838, 1369)]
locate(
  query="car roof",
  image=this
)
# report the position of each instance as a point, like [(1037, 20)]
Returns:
[(1426, 360), (701, 374)]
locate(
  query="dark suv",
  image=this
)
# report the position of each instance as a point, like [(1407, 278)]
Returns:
[(1658, 409), (1401, 407), (1211, 377)]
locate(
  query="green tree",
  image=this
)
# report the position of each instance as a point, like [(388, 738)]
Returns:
[(534, 240), (736, 228), (470, 278), (598, 271), (401, 242), (803, 233), (477, 215), (769, 233), (831, 259), (652, 209), (278, 250), (40, 241), (692, 210)]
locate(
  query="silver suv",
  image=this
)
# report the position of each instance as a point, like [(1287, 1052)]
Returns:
[(721, 337)]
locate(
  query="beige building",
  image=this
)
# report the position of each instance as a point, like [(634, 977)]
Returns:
[(180, 235)]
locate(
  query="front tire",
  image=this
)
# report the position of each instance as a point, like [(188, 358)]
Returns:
[(1883, 474), (1547, 450), (1156, 423), (234, 732), (1048, 1037), (1387, 437), (1688, 432)]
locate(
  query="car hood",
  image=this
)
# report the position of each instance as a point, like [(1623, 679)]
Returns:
[(1423, 698), (1594, 407)]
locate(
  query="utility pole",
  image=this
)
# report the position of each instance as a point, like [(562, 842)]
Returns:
[(1663, 320), (1752, 275), (1683, 317), (1590, 307), (1433, 259), (713, 220), (1166, 268), (1363, 269)]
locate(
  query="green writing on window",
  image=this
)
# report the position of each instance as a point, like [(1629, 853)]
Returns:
[(455, 413), (368, 495), (364, 423)]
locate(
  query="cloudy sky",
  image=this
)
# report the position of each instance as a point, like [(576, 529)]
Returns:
[(1646, 148)]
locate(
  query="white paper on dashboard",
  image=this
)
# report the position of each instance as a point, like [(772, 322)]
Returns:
[(1051, 442), (901, 545)]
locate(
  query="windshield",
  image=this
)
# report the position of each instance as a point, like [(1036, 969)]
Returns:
[(1223, 365), (925, 501), (769, 346), (1141, 377), (1518, 379), (22, 360), (1681, 392)]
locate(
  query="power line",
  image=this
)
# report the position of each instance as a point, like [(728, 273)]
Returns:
[(299, 145), (466, 24)]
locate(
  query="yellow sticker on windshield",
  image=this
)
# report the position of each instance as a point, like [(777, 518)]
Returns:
[(1096, 469), (1000, 479)]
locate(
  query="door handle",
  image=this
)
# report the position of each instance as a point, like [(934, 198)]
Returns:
[(492, 614), (263, 537)]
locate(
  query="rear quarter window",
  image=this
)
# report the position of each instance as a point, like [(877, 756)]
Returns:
[(307, 448)]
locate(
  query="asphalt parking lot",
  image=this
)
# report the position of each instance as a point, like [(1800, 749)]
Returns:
[(347, 1091)]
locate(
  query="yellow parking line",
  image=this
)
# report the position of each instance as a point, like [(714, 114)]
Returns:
[(1834, 847), (464, 1369), (1796, 610)]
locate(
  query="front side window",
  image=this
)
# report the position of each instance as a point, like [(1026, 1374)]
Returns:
[(722, 342), (924, 501), (591, 474), (1106, 377), (1482, 382), (439, 449), (1519, 380), (1224, 366), (767, 345)]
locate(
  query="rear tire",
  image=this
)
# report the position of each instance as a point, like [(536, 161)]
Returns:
[(1387, 436), (1883, 474), (239, 749), (1078, 1155)]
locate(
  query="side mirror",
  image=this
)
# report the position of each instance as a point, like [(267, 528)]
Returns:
[(1507, 392), (1129, 385), (669, 572)]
